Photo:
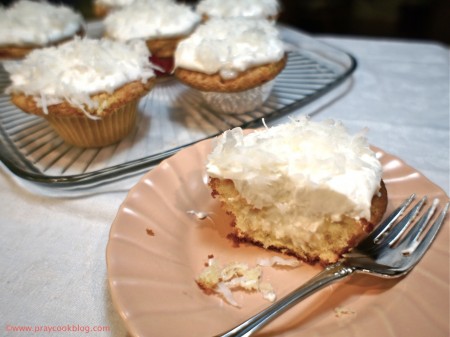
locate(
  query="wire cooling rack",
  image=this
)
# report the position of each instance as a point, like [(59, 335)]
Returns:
[(172, 116)]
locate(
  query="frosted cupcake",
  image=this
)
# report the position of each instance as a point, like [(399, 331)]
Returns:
[(162, 24), (308, 189), (254, 9), (27, 25), (103, 7), (232, 62), (87, 89)]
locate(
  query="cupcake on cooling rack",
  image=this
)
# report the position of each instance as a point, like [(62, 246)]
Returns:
[(103, 7), (162, 24), (255, 9), (232, 62), (27, 25), (87, 89)]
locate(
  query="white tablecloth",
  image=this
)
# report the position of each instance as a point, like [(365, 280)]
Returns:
[(52, 249)]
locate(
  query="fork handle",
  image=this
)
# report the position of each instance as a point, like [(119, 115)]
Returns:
[(329, 275)]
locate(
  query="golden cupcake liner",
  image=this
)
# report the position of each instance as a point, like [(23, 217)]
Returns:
[(82, 131), (238, 102)]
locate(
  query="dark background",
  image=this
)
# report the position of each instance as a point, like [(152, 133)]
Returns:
[(404, 19)]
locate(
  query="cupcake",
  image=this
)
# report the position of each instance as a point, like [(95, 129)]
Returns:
[(27, 25), (162, 24), (87, 89), (103, 7), (254, 9), (311, 189), (232, 62)]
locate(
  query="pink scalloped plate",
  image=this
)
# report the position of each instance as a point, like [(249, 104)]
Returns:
[(157, 248)]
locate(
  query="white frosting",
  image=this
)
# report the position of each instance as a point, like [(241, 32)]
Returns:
[(151, 20), (115, 4), (37, 23), (305, 169), (78, 69), (235, 8), (230, 46)]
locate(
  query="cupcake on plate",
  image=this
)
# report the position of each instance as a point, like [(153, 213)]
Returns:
[(27, 25), (254, 9), (162, 24), (232, 62), (87, 89), (311, 189)]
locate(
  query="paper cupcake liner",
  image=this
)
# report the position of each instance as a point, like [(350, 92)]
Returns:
[(84, 132), (238, 102)]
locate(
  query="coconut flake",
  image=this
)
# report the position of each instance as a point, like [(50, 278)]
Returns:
[(277, 261), (223, 289)]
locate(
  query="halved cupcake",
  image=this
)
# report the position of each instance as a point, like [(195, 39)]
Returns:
[(27, 25), (232, 62), (308, 189), (87, 89)]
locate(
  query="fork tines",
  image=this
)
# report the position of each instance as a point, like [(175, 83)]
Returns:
[(391, 232)]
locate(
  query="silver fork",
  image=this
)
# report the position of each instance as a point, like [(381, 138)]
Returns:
[(389, 251)]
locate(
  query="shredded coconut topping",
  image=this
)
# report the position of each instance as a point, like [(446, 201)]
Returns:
[(37, 23), (303, 168), (145, 19), (115, 3), (76, 70), (230, 46), (235, 8), (123, 3)]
